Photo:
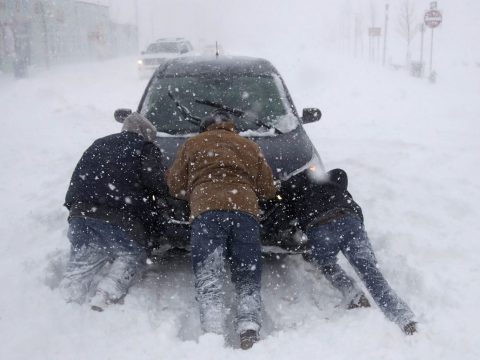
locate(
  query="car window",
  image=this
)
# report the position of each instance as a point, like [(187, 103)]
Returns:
[(183, 48), (262, 97), (164, 47)]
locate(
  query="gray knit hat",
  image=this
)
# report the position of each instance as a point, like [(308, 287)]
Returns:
[(139, 124)]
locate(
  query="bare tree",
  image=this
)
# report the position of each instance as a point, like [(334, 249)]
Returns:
[(407, 24)]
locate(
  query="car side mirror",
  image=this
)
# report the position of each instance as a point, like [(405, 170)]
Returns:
[(311, 115), (121, 114), (142, 52)]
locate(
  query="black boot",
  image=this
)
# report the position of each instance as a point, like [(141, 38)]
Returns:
[(248, 338), (410, 328), (358, 302)]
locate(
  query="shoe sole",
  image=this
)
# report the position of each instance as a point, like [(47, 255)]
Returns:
[(96, 308)]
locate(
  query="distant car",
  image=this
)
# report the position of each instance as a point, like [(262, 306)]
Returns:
[(158, 52), (183, 90)]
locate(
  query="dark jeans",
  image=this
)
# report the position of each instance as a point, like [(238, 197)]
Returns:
[(217, 236), (94, 243), (347, 234)]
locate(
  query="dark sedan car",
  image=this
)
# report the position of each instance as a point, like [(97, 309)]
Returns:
[(185, 89)]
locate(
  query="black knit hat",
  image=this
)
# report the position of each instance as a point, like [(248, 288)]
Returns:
[(216, 117), (338, 177)]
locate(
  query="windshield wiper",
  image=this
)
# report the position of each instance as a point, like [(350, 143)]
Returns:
[(186, 114), (237, 112), (234, 111)]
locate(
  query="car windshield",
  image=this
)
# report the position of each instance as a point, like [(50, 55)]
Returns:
[(262, 98), (164, 47)]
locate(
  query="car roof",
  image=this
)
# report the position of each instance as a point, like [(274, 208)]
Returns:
[(204, 65), (178, 39)]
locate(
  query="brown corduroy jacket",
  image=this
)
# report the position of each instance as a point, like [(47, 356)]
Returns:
[(220, 170)]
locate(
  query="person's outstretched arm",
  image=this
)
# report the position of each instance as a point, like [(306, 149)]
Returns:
[(266, 188), (177, 175), (153, 170)]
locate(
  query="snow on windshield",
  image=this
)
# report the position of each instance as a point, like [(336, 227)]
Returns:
[(262, 98)]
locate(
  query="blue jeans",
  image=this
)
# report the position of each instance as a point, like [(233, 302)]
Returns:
[(217, 236), (347, 234), (94, 243)]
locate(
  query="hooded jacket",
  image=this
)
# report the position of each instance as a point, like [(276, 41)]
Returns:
[(220, 170), (323, 202), (116, 178)]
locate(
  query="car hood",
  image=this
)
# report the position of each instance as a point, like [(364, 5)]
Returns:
[(285, 153)]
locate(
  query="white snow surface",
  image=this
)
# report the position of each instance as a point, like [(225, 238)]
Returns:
[(412, 152)]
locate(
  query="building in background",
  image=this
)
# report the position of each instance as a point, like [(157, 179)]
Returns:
[(43, 33)]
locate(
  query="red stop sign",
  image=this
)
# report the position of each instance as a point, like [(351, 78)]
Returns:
[(433, 18)]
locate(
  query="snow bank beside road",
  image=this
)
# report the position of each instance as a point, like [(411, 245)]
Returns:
[(410, 148)]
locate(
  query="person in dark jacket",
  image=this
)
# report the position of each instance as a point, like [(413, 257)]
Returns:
[(336, 225), (223, 175), (111, 199)]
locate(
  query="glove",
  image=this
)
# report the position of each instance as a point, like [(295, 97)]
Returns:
[(277, 184)]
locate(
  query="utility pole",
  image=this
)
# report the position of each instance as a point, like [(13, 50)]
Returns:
[(431, 54), (40, 8), (387, 5), (136, 24)]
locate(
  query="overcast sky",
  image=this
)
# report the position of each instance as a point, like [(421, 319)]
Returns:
[(249, 25)]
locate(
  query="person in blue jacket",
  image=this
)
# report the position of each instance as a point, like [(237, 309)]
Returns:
[(111, 199)]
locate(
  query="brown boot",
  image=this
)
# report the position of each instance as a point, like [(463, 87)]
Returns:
[(248, 338), (359, 302)]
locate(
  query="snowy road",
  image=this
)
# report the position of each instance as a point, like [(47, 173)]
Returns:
[(411, 150)]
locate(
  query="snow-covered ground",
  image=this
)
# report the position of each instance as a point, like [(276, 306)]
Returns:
[(412, 152)]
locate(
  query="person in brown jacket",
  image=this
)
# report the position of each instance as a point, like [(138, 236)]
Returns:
[(223, 175)]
